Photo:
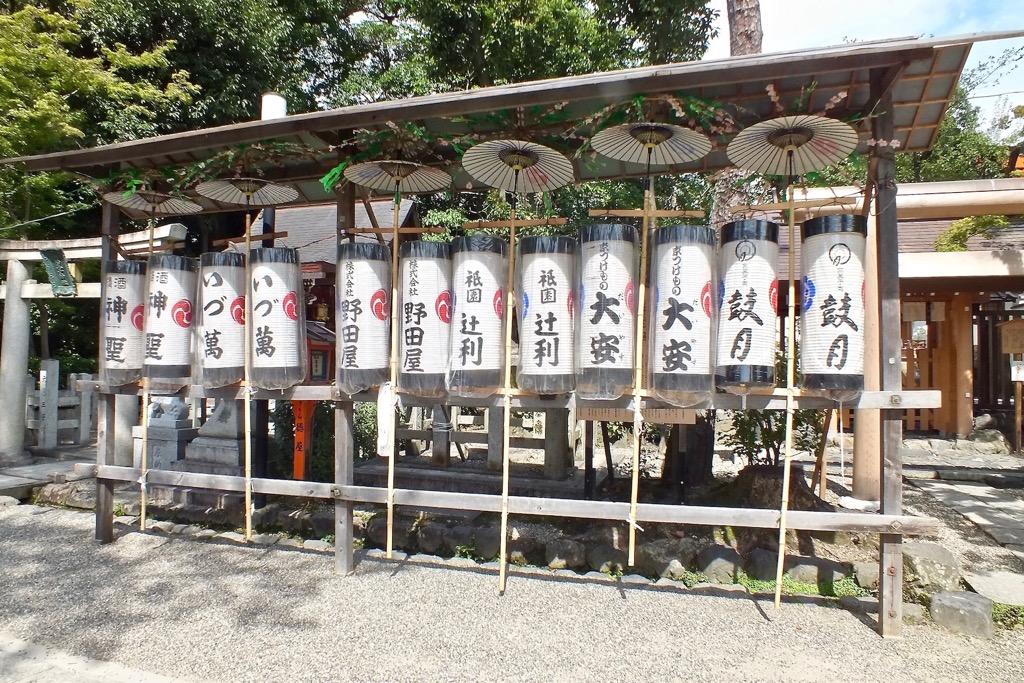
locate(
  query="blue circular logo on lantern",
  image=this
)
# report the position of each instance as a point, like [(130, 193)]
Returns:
[(526, 304), (808, 290), (721, 293)]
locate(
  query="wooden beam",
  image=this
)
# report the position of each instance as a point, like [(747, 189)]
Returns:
[(529, 505), (890, 586), (236, 240), (484, 225), (638, 213), (687, 76)]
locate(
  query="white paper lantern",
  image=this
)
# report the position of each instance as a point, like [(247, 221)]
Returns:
[(170, 307), (749, 294), (546, 267), (122, 341), (277, 310), (479, 272), (832, 317), (426, 315), (220, 340), (607, 311), (682, 314), (363, 315)]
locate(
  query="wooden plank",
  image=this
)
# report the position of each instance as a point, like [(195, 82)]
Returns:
[(526, 505), (469, 437), (240, 239), (639, 213), (890, 587), (774, 401), (481, 225), (344, 533), (401, 231)]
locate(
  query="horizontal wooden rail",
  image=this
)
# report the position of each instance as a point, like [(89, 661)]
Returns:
[(635, 213), (897, 400), (524, 505), (469, 437), (532, 222)]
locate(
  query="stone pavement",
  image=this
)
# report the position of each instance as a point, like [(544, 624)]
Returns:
[(998, 513), (24, 662)]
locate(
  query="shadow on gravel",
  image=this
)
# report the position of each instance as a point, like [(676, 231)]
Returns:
[(61, 587)]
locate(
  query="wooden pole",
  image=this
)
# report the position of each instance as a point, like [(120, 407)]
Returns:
[(790, 404), (394, 361), (145, 404), (246, 379), (638, 362), (890, 584), (1016, 415), (507, 385), (106, 411), (344, 560)]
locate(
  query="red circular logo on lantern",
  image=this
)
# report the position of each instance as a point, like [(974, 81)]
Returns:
[(443, 306), (498, 301), (291, 305), (138, 316), (629, 296), (705, 298), (238, 310), (379, 304), (773, 296), (181, 313), (569, 302)]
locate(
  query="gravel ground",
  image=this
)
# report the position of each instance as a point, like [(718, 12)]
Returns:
[(202, 611)]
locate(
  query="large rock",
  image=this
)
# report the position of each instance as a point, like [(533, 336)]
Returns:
[(762, 564), (967, 613), (666, 557), (322, 522), (430, 537), (934, 568), (867, 574), (986, 442), (487, 542), (402, 533), (985, 421), (456, 537), (564, 553), (719, 563), (606, 558), (814, 570)]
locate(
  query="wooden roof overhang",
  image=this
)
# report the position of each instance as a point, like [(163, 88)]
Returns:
[(920, 74)]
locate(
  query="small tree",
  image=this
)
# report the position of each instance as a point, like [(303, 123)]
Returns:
[(759, 436)]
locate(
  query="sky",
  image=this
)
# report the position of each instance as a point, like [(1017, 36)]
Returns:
[(797, 24)]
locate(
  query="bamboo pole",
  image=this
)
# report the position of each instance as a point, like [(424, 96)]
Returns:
[(145, 402), (507, 385), (246, 378), (790, 403), (394, 361), (638, 359)]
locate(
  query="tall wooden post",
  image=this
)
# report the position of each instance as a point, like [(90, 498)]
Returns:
[(890, 587), (106, 410), (344, 561), (867, 469)]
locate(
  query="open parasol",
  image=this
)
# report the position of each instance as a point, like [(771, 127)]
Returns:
[(791, 146), (658, 144), (152, 203), (396, 177), (514, 166), (248, 192)]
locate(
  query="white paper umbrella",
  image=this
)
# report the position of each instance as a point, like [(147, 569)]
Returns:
[(393, 176), (153, 203), (659, 144), (517, 166), (247, 191), (792, 145)]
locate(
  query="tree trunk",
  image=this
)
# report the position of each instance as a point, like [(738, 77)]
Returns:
[(744, 27)]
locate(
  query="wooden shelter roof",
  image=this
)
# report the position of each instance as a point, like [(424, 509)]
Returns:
[(921, 74)]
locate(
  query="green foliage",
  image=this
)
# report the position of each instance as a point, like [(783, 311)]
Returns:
[(955, 237), (961, 152), (1008, 616), (321, 456), (832, 589), (759, 436)]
